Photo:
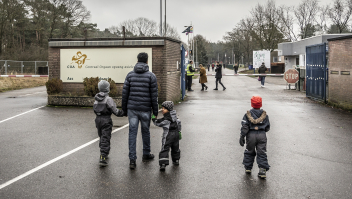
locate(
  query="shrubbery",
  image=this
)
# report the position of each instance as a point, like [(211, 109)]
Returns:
[(91, 86), (54, 86)]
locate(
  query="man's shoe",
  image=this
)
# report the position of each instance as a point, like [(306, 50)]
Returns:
[(206, 88), (215, 89), (132, 164), (191, 90), (224, 89), (102, 161), (162, 167), (177, 162), (262, 173), (202, 90), (147, 157)]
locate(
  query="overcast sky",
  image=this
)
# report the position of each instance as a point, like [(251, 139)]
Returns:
[(210, 18)]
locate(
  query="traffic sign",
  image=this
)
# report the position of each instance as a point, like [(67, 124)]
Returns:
[(291, 76)]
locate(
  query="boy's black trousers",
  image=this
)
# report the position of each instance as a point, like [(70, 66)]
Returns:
[(256, 145), (172, 141), (104, 126)]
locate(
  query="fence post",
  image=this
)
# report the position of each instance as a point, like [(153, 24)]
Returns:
[(22, 67), (5, 67), (35, 70)]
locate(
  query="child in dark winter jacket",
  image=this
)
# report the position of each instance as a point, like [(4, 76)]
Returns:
[(103, 107), (171, 135), (255, 124)]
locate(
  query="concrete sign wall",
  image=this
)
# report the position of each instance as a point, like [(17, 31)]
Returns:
[(261, 56), (114, 63)]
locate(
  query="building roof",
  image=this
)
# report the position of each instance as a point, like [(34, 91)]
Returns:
[(299, 47), (341, 38)]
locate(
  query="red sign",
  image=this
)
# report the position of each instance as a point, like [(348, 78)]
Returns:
[(291, 76)]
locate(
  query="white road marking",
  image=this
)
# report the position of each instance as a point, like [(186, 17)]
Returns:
[(54, 160), (20, 114)]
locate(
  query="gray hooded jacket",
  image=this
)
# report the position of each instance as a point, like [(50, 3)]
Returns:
[(105, 105), (165, 123)]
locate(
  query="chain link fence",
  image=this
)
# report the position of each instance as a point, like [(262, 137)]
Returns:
[(10, 67)]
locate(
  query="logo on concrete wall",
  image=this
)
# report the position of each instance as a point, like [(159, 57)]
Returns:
[(79, 59)]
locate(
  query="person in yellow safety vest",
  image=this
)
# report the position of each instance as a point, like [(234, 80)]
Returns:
[(190, 74)]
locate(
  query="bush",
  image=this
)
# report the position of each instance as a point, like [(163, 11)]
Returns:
[(113, 88), (91, 86), (54, 86)]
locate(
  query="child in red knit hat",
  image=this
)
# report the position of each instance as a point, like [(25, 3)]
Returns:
[(255, 124)]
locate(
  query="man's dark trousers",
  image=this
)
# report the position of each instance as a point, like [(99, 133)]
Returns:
[(104, 126), (256, 145), (189, 82), (219, 80), (172, 141)]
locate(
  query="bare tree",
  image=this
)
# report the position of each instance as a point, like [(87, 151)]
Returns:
[(171, 32), (75, 14), (266, 21), (322, 20), (340, 14), (287, 22), (142, 27), (305, 14)]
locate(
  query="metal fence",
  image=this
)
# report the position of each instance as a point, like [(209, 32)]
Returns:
[(10, 67)]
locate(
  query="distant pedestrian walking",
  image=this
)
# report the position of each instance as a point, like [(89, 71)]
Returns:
[(190, 74), (139, 101), (255, 124), (103, 107), (262, 70), (208, 66), (171, 135), (212, 66), (203, 77), (235, 67), (218, 76)]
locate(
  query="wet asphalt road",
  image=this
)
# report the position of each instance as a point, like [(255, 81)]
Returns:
[(309, 149)]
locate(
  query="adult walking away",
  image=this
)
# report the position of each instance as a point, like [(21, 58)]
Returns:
[(139, 101), (218, 76), (212, 66), (235, 67), (208, 66), (262, 70), (203, 77), (190, 74)]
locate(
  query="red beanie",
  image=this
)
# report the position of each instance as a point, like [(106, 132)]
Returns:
[(256, 102)]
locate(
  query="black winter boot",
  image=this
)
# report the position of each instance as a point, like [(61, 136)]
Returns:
[(162, 167), (132, 164), (262, 173), (102, 161), (147, 157)]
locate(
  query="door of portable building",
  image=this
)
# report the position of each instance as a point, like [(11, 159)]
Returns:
[(183, 73), (316, 71)]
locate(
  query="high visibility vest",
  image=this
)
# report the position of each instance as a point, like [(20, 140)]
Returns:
[(189, 73)]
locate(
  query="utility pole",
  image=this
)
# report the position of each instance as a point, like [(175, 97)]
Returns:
[(161, 18), (165, 21), (197, 52)]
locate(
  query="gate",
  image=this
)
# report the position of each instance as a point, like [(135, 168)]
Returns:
[(316, 71), (183, 67)]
